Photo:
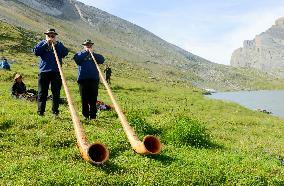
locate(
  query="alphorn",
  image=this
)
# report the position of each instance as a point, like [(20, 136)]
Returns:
[(95, 153), (150, 144)]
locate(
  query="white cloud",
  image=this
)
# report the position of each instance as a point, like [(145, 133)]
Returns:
[(247, 26)]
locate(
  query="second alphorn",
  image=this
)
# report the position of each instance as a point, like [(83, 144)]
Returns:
[(150, 144)]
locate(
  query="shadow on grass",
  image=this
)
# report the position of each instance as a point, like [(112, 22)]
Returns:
[(5, 147), (111, 168), (118, 150), (4, 125), (108, 114), (134, 89), (164, 159), (208, 145), (76, 156), (108, 167)]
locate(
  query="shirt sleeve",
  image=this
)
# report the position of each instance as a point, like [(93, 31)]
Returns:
[(13, 89), (79, 57), (40, 48), (99, 58), (61, 50)]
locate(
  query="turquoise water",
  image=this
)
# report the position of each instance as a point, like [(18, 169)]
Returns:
[(270, 100)]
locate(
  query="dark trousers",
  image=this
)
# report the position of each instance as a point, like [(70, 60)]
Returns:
[(108, 79), (89, 93), (44, 79)]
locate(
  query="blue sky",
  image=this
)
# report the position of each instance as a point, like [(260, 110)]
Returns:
[(212, 29)]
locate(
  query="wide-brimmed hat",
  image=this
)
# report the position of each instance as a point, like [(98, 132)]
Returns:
[(88, 42), (51, 31), (17, 76)]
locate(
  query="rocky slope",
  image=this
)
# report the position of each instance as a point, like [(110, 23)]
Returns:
[(120, 39), (265, 52), (130, 38)]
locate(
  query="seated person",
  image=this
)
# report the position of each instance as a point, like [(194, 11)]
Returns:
[(4, 64), (102, 106), (19, 87)]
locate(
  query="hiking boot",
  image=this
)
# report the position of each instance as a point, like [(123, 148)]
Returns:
[(92, 118), (40, 113)]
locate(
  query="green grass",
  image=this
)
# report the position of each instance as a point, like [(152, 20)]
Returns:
[(236, 145), (186, 131), (205, 142)]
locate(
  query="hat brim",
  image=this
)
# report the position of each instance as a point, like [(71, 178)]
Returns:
[(87, 44), (46, 33), (17, 77)]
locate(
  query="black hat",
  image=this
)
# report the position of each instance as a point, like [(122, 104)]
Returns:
[(51, 31), (88, 42)]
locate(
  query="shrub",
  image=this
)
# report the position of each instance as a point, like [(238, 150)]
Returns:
[(140, 125), (186, 131)]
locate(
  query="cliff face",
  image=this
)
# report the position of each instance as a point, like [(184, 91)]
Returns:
[(265, 52), (59, 8)]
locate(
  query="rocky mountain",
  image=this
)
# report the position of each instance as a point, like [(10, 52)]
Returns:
[(122, 40), (119, 34), (265, 52)]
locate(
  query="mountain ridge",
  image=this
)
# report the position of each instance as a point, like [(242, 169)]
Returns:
[(119, 38)]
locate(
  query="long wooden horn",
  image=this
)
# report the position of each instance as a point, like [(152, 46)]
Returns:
[(150, 144), (94, 153)]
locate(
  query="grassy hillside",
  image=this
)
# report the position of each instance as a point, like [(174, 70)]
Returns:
[(205, 142), (120, 39)]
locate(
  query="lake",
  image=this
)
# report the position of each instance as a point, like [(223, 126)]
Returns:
[(270, 100)]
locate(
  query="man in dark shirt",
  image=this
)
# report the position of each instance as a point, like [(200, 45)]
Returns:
[(88, 79), (108, 74), (18, 88), (48, 71)]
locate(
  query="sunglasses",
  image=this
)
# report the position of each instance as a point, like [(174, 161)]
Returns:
[(52, 36)]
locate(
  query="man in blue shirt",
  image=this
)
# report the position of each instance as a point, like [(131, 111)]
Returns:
[(88, 79), (48, 71), (4, 64)]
